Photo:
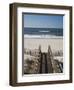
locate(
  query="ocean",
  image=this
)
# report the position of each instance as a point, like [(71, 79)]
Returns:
[(43, 32)]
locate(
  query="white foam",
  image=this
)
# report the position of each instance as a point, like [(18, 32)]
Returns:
[(41, 36), (44, 31)]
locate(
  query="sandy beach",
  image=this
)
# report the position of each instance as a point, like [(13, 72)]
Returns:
[(33, 43)]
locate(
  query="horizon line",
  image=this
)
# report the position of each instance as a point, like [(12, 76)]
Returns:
[(40, 27)]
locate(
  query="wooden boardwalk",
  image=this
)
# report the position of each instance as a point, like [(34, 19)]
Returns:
[(45, 64)]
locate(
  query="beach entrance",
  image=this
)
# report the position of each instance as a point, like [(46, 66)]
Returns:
[(41, 62), (45, 66)]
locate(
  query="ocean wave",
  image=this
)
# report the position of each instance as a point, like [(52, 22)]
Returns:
[(44, 31), (41, 36)]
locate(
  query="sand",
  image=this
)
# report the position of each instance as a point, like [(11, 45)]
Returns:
[(33, 43)]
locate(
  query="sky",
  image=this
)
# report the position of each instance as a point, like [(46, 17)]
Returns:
[(43, 21)]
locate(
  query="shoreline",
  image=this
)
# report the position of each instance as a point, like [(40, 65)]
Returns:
[(43, 37)]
